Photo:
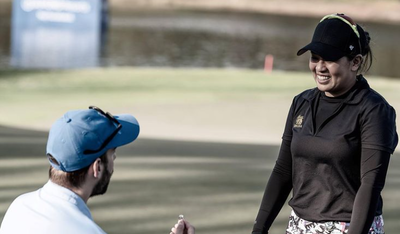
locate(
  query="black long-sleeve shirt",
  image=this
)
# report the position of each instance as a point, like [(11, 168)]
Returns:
[(334, 156)]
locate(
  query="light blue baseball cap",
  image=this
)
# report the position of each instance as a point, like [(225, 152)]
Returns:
[(78, 138)]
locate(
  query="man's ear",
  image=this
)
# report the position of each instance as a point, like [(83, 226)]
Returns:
[(97, 168), (356, 63)]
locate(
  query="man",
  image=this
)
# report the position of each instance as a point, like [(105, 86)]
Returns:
[(81, 150)]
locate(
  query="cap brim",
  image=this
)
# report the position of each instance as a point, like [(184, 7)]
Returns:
[(128, 133), (327, 52)]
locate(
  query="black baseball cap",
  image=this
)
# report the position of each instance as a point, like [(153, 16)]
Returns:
[(334, 37)]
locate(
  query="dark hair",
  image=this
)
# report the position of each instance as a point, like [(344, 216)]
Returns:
[(366, 51), (73, 179)]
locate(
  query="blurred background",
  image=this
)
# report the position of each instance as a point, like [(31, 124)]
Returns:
[(197, 75), (223, 34)]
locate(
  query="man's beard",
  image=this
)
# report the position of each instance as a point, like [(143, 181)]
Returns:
[(102, 186)]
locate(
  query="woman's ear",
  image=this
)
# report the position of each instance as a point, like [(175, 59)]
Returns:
[(356, 63)]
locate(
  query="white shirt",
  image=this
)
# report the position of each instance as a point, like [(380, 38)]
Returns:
[(49, 210)]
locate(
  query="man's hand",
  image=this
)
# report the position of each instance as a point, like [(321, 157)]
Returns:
[(182, 227)]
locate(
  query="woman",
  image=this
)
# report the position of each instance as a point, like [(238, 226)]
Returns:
[(337, 141)]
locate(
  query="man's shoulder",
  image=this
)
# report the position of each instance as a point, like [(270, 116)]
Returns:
[(41, 216), (23, 199)]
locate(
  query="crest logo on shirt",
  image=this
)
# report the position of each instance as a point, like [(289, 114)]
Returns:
[(299, 122)]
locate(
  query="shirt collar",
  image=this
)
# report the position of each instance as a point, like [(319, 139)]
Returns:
[(67, 195), (360, 89)]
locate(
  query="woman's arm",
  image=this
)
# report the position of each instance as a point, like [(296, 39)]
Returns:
[(374, 166), (276, 192), (279, 184), (378, 140)]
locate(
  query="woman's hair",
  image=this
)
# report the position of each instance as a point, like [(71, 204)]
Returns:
[(73, 179), (366, 51)]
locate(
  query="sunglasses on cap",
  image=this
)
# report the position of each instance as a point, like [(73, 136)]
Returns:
[(349, 21), (112, 119)]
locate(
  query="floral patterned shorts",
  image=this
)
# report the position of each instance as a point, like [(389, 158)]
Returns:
[(298, 225)]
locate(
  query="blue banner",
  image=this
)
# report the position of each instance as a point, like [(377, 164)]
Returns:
[(57, 33)]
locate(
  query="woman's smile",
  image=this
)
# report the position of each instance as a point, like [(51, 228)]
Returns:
[(323, 79), (332, 77)]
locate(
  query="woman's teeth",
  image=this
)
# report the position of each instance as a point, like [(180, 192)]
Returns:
[(323, 77)]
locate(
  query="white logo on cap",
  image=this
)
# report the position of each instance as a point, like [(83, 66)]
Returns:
[(351, 47)]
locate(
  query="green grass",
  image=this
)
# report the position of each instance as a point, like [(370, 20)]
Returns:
[(37, 98), (217, 186), (46, 95)]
